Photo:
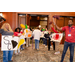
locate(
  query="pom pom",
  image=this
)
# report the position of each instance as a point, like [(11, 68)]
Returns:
[(56, 16)]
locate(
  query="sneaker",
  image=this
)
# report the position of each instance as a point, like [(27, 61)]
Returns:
[(29, 45), (51, 47), (22, 48), (57, 52), (19, 53), (45, 46)]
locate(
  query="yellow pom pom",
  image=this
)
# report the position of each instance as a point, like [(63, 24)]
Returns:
[(22, 25)]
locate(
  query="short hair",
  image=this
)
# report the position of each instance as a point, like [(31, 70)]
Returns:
[(71, 20)]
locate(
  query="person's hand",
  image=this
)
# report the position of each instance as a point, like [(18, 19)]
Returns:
[(51, 25), (54, 22), (13, 36), (19, 35)]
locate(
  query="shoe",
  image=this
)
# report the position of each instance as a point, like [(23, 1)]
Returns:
[(51, 47), (57, 52), (10, 61), (22, 48), (29, 45), (45, 46)]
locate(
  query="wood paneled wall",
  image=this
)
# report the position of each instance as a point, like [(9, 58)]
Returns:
[(12, 17)]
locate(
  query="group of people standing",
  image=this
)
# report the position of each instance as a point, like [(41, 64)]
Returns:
[(36, 34)]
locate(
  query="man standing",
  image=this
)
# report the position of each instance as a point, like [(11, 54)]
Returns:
[(69, 39), (37, 34)]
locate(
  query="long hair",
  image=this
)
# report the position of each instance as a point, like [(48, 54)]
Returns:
[(3, 27)]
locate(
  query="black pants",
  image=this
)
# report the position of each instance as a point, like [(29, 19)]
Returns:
[(49, 42)]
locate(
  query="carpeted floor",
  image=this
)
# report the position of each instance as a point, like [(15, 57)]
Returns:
[(43, 55)]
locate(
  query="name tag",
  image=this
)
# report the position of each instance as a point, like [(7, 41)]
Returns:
[(69, 34)]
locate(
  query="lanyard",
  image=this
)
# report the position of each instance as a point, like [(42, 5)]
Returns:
[(70, 29)]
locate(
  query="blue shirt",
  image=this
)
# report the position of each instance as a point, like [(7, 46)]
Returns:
[(5, 32)]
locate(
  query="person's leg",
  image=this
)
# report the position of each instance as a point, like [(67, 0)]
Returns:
[(53, 45), (49, 42), (44, 41), (22, 47), (35, 44), (26, 42), (15, 51), (10, 54), (71, 47), (29, 42), (5, 56), (19, 50), (66, 44)]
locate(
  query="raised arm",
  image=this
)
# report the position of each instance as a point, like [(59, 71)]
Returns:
[(60, 29)]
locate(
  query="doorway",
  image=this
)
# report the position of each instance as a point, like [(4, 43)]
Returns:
[(36, 20), (21, 19)]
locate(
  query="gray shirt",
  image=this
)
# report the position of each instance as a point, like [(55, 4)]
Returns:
[(5, 32)]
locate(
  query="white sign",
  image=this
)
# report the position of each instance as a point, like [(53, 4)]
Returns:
[(9, 43), (57, 37), (6, 43)]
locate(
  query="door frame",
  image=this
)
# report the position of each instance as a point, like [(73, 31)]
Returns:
[(30, 13)]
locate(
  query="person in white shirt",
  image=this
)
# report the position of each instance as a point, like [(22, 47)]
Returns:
[(36, 34), (27, 38)]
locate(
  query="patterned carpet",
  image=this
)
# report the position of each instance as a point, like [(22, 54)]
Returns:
[(43, 55)]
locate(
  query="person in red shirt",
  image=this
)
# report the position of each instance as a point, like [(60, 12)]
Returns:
[(69, 39)]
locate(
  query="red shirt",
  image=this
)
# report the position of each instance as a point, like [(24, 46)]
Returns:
[(16, 33), (69, 33)]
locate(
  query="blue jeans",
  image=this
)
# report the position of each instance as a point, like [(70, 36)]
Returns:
[(7, 55), (45, 41), (71, 47), (36, 44), (21, 46)]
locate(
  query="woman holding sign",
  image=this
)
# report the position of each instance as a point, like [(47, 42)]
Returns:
[(6, 30)]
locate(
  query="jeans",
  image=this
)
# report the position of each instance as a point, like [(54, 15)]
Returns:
[(21, 46), (7, 56), (71, 47), (45, 41), (36, 44)]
